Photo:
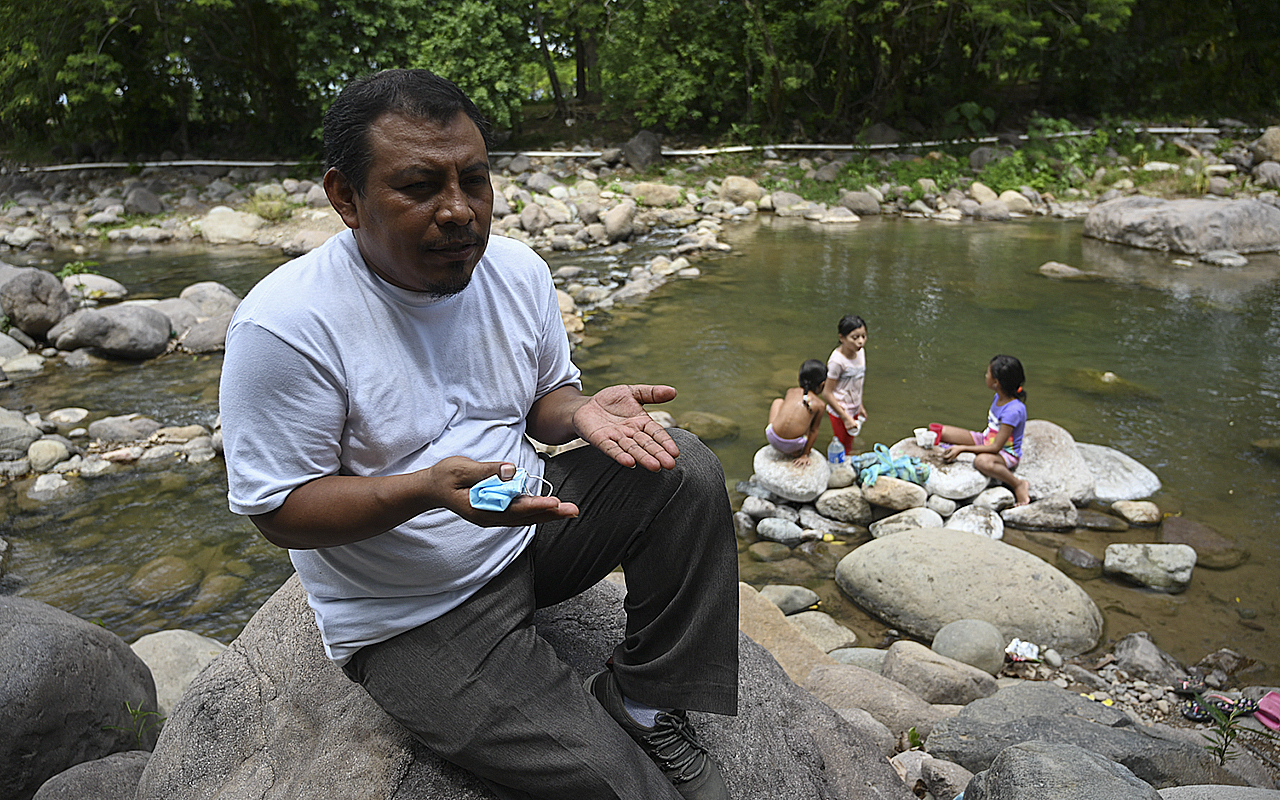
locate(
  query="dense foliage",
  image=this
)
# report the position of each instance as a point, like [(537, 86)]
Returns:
[(252, 76)]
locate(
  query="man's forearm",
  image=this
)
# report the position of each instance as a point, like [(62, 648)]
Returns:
[(550, 419), (341, 509)]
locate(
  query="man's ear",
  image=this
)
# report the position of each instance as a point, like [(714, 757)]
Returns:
[(342, 196)]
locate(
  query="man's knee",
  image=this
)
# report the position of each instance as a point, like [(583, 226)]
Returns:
[(696, 461)]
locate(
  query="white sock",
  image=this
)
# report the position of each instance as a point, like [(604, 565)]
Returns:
[(645, 715)]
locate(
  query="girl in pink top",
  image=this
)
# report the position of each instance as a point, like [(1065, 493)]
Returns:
[(846, 371)]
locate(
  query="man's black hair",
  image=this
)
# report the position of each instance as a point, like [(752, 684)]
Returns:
[(414, 92)]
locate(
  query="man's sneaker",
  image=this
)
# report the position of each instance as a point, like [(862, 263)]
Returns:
[(670, 743)]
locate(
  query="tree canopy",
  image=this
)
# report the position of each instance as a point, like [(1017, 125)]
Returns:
[(254, 76)]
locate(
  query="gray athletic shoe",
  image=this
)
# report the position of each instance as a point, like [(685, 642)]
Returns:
[(670, 743)]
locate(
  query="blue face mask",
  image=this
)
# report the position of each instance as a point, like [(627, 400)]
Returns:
[(495, 494)]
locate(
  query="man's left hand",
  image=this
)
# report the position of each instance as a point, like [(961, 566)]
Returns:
[(615, 421)]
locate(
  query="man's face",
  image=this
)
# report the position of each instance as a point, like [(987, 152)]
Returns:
[(423, 220)]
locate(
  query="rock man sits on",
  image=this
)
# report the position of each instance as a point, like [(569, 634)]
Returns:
[(370, 384)]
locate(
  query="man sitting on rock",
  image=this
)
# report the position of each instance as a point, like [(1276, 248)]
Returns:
[(370, 384)]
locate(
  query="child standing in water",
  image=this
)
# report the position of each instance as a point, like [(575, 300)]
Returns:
[(846, 370), (997, 450), (795, 417)]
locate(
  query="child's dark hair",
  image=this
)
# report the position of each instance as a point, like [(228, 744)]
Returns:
[(849, 323), (813, 373), (1008, 372)]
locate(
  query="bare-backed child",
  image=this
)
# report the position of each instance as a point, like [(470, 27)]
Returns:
[(794, 418)]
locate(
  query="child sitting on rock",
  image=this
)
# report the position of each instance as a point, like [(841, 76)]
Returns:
[(794, 418), (998, 449)]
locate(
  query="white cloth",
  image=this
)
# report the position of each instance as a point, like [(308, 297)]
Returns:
[(331, 370)]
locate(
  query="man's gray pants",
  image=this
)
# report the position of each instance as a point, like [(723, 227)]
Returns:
[(479, 687)]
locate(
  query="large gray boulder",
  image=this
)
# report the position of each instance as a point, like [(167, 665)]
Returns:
[(175, 658), (935, 677), (1052, 464), (1116, 476), (34, 301), (920, 580), (129, 331), (212, 298), (1186, 226), (66, 695), (777, 472), (1056, 772), (1039, 711), (273, 718)]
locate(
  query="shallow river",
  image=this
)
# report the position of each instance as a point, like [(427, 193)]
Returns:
[(1198, 349)]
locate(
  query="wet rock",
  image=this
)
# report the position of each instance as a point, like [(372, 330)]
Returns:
[(992, 211), (43, 454), (1077, 563), (707, 426), (1213, 550), (769, 551), (1056, 269), (215, 592), (161, 579), (1098, 521), (208, 336), (1108, 384), (1166, 567), (920, 580)]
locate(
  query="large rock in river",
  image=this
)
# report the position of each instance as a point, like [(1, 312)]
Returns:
[(778, 473), (921, 580), (1052, 464), (1186, 226), (272, 717), (128, 331), (1117, 476)]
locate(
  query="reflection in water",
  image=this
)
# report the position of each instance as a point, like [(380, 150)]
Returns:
[(1197, 351)]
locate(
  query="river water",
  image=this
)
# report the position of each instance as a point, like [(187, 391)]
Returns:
[(1197, 349)]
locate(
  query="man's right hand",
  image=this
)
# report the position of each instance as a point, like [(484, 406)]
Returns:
[(454, 476)]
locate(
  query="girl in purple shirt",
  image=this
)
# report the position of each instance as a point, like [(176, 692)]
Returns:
[(998, 449)]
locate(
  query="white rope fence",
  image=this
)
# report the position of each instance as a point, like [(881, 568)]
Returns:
[(704, 151)]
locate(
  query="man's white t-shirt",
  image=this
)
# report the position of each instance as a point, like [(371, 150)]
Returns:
[(331, 370)]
